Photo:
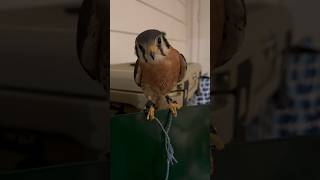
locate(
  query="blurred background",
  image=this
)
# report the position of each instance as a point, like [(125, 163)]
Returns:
[(266, 98), (51, 111), (271, 84)]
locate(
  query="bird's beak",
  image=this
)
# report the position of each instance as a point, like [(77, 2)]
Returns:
[(152, 49)]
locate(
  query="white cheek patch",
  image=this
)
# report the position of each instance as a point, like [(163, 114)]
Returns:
[(164, 47), (149, 58), (159, 56), (140, 55), (165, 50)]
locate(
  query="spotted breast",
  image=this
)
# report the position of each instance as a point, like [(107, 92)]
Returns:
[(161, 76)]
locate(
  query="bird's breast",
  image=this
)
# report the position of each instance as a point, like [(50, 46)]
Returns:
[(162, 76)]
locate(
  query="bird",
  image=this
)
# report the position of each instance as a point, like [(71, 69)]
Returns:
[(92, 40), (158, 69)]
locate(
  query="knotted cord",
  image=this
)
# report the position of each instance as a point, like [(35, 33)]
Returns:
[(169, 149)]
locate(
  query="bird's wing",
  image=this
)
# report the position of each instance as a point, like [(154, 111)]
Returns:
[(183, 67), (137, 73)]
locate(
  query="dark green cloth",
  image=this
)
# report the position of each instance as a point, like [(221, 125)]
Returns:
[(138, 152)]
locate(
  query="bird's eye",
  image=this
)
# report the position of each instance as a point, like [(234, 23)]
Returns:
[(159, 41)]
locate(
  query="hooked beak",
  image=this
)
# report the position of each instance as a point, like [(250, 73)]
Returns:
[(152, 55), (152, 50)]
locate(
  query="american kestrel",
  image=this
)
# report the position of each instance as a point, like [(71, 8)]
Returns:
[(157, 71)]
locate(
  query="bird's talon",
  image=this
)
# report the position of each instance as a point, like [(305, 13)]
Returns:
[(150, 109), (173, 106)]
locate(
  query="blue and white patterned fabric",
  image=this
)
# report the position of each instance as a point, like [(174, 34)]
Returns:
[(296, 111), (203, 94), (302, 115)]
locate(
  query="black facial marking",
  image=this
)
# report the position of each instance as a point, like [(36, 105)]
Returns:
[(136, 50), (143, 52), (166, 42), (159, 40), (161, 50), (141, 49), (159, 46)]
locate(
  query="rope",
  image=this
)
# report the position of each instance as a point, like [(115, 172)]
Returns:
[(169, 149)]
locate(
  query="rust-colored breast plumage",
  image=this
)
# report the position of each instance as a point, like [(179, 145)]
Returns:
[(161, 76)]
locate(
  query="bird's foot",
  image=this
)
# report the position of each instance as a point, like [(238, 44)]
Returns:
[(150, 110), (173, 106)]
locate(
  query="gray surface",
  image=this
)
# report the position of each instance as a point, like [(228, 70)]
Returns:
[(42, 85), (84, 120), (14, 4), (278, 159), (38, 51)]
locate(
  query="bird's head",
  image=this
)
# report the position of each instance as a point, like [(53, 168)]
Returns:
[(151, 45)]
